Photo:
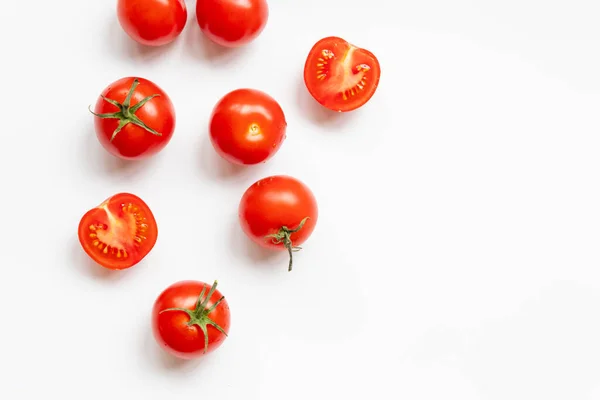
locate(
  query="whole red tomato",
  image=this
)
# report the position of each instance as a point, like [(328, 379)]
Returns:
[(190, 319), (118, 233), (278, 212), (232, 23), (247, 126), (152, 22), (340, 75), (135, 118)]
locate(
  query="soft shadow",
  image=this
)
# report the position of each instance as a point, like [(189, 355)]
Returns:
[(205, 49), (244, 248), (216, 167), (123, 45), (319, 114), (89, 267), (100, 160)]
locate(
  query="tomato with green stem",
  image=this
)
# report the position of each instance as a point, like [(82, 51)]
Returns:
[(278, 212), (340, 75), (118, 233), (152, 22), (190, 319), (134, 118)]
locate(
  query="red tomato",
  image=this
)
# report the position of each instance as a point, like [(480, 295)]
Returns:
[(278, 212), (339, 75), (152, 22), (118, 233), (135, 118), (190, 319), (247, 126), (232, 23)]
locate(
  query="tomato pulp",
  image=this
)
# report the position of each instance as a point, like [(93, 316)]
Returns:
[(232, 23), (118, 233), (190, 319), (152, 22), (278, 212), (135, 118), (339, 75), (247, 126)]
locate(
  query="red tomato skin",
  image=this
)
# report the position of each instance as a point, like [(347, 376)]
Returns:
[(170, 328), (341, 83), (232, 23), (247, 126), (274, 202), (134, 142), (98, 215), (152, 22)]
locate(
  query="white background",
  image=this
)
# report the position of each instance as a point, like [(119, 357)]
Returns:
[(457, 251)]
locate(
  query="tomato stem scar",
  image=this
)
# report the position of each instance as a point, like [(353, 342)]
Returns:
[(284, 236), (199, 315), (126, 113)]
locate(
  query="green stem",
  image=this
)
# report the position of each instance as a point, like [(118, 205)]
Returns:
[(283, 236), (199, 315), (126, 113)]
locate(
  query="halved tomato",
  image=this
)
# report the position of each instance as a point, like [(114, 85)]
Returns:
[(118, 233), (339, 75)]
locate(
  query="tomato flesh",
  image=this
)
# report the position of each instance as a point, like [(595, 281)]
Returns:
[(118, 233), (339, 75)]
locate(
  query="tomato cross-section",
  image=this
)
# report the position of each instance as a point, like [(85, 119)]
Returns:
[(118, 233), (339, 75)]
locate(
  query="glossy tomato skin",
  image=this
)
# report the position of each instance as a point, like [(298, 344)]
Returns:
[(152, 22), (232, 23), (275, 202), (340, 75), (247, 126), (134, 142), (172, 330), (118, 233)]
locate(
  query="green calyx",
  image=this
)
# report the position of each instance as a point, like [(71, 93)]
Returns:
[(126, 114), (199, 315), (283, 236)]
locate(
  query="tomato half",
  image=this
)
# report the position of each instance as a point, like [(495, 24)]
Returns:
[(118, 233), (152, 22), (247, 126), (278, 212), (232, 23), (339, 75), (135, 118), (190, 319)]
